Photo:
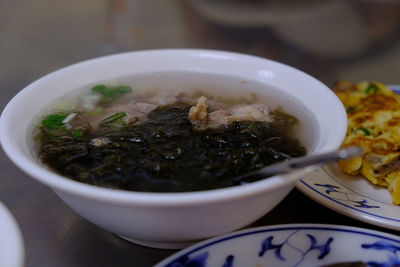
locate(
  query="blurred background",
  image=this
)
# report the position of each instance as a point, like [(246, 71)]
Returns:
[(329, 39)]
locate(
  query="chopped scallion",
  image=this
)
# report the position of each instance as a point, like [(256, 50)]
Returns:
[(65, 107), (70, 117), (110, 94), (364, 131), (96, 111), (53, 121), (115, 120), (77, 134), (372, 89)]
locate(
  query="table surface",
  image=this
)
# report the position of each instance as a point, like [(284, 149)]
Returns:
[(331, 40)]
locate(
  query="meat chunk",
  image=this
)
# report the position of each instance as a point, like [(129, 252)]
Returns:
[(100, 141), (135, 112), (198, 114), (202, 119), (218, 118), (78, 122), (253, 112)]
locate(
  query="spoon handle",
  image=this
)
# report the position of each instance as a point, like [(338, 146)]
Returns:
[(301, 162)]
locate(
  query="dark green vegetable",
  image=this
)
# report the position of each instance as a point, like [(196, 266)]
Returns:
[(165, 154), (371, 89), (110, 94)]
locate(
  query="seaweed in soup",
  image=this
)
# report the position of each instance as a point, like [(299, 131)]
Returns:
[(166, 153)]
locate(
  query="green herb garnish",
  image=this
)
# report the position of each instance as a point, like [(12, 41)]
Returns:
[(115, 120), (77, 134), (53, 125), (94, 112), (371, 89), (53, 121), (110, 94), (364, 131)]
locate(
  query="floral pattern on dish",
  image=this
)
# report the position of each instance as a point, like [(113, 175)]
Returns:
[(292, 245), (352, 196)]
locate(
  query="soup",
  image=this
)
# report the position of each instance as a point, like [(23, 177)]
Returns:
[(164, 140)]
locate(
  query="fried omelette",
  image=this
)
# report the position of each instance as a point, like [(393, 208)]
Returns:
[(373, 113)]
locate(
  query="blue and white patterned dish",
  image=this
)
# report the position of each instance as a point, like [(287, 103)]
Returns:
[(294, 245), (352, 196)]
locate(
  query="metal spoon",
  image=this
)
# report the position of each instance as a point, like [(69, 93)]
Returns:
[(298, 163)]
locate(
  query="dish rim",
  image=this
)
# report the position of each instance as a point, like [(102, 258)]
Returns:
[(275, 228)]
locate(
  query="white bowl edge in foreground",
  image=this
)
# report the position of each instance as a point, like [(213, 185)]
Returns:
[(12, 251)]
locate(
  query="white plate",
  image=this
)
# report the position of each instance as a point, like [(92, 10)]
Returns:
[(352, 196), (11, 244), (292, 245)]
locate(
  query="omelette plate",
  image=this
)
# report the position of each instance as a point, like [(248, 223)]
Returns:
[(352, 196)]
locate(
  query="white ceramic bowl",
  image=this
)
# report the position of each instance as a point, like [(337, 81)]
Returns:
[(11, 243), (173, 220)]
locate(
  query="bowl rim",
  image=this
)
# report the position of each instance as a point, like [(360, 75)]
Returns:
[(64, 184)]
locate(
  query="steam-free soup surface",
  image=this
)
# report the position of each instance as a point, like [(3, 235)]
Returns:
[(158, 142)]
